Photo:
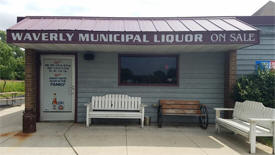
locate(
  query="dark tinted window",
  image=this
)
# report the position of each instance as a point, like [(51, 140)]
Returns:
[(148, 70)]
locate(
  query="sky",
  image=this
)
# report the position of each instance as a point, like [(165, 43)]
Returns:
[(10, 9)]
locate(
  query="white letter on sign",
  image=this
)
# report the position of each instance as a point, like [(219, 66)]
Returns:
[(188, 38), (137, 38), (16, 36), (36, 36), (214, 38), (45, 37), (83, 37), (129, 37), (198, 37), (169, 38), (28, 37), (69, 36), (53, 37), (156, 38)]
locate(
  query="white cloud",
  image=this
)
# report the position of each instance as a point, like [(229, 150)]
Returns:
[(12, 8), (6, 20)]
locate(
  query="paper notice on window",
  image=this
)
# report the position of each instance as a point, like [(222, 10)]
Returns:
[(57, 83)]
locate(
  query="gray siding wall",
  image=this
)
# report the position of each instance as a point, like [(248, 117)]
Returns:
[(247, 57), (201, 78)]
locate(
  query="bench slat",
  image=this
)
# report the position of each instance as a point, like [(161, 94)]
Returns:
[(136, 102), (244, 126), (106, 103), (180, 111), (115, 102), (101, 102), (162, 102), (181, 106), (120, 99), (129, 103), (95, 102), (133, 105), (124, 102)]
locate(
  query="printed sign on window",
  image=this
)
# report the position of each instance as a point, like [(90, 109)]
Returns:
[(57, 84)]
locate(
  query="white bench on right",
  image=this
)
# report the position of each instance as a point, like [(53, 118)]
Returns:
[(250, 119)]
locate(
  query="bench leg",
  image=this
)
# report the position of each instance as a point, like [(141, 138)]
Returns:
[(160, 121), (252, 140), (87, 115), (218, 128), (159, 117), (273, 137), (273, 152), (252, 137), (142, 122), (142, 117), (87, 122)]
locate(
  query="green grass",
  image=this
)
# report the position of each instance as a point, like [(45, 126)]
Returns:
[(265, 140), (13, 86)]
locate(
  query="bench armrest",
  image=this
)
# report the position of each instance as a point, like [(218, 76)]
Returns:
[(261, 120), (143, 105), (88, 105), (218, 111), (202, 105), (253, 122), (224, 109)]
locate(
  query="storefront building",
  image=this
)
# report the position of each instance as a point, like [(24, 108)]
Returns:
[(71, 59), (264, 52)]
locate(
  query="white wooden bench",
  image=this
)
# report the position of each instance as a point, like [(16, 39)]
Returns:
[(115, 106), (250, 119)]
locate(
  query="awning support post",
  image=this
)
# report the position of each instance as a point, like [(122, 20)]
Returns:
[(31, 89), (230, 69)]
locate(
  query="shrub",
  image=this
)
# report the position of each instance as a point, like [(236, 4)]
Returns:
[(256, 87)]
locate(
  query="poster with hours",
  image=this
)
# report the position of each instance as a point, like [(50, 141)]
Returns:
[(57, 83)]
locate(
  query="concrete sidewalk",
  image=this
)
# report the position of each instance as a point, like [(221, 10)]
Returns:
[(68, 138)]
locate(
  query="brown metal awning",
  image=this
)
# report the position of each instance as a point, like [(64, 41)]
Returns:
[(132, 34)]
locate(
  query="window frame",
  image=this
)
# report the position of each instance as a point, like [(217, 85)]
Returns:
[(148, 55)]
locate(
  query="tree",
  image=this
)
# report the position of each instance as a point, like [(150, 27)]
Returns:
[(19, 68), (7, 63), (12, 61), (3, 36)]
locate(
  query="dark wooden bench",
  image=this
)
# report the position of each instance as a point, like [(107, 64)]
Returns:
[(183, 108)]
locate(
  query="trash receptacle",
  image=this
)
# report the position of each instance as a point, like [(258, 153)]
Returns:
[(147, 120)]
